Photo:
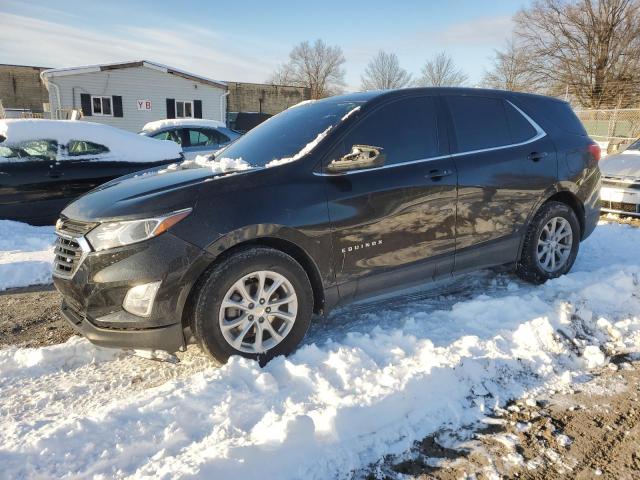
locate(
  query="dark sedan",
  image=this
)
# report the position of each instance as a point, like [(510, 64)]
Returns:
[(45, 164)]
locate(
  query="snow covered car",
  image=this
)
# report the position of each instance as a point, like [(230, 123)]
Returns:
[(328, 202), (45, 164), (195, 135), (620, 192)]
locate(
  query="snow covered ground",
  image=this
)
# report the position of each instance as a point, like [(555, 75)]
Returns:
[(369, 381), (26, 254)]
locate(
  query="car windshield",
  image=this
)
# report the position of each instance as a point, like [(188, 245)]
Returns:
[(284, 136), (635, 145), (32, 149)]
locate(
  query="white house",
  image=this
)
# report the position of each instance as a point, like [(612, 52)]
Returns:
[(130, 94)]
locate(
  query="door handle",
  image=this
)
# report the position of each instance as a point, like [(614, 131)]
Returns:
[(437, 174), (537, 156), (54, 174)]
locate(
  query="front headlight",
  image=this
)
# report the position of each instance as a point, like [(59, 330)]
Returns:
[(116, 234)]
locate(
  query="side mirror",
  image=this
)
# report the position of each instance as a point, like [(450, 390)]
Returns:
[(361, 157)]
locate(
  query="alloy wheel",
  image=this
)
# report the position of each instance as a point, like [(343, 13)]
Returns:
[(258, 311), (554, 244)]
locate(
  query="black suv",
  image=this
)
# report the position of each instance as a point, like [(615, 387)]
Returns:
[(328, 202)]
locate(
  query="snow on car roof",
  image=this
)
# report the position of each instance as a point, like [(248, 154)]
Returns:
[(123, 146), (181, 122)]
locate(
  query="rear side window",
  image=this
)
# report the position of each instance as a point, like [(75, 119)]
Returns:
[(520, 128), (483, 122), (479, 122), (173, 135), (405, 129), (563, 116), (206, 137), (79, 147)]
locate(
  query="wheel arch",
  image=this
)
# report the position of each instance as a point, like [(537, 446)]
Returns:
[(569, 198), (227, 246), (562, 195)]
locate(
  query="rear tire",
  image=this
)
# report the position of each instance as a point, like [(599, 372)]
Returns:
[(551, 243), (256, 303)]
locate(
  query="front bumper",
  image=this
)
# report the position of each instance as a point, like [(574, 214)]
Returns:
[(620, 200), (93, 295), (169, 338)]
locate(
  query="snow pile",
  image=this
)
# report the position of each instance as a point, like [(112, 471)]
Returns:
[(180, 122), (25, 362), (305, 150), (217, 165), (365, 384), (123, 146), (26, 254)]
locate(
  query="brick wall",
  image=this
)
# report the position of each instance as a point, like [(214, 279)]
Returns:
[(21, 87), (257, 97)]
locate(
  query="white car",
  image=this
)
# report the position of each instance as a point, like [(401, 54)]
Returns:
[(196, 136), (620, 192)]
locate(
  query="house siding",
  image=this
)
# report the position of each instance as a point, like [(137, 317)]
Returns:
[(132, 84)]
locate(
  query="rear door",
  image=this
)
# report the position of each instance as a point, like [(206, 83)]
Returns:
[(395, 224), (505, 162)]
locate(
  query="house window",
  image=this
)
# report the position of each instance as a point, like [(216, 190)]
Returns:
[(101, 106), (184, 109)]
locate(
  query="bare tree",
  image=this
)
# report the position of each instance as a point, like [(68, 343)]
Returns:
[(441, 71), (384, 72), (511, 70), (317, 67), (281, 76), (588, 47)]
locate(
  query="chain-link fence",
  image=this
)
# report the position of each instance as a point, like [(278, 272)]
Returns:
[(613, 129)]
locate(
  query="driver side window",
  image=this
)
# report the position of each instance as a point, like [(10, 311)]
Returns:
[(405, 129)]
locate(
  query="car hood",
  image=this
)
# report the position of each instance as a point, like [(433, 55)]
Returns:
[(621, 165), (142, 194)]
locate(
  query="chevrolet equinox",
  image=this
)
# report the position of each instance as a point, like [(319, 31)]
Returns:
[(328, 202)]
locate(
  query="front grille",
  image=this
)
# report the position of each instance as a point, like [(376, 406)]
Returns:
[(619, 206), (68, 254), (69, 251)]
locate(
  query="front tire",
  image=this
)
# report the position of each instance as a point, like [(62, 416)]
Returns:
[(256, 303), (551, 243)]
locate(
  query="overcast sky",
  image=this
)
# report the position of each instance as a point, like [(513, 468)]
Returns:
[(246, 40)]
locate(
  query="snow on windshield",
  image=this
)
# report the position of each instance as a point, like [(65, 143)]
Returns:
[(350, 112), (217, 165), (305, 150), (312, 144), (123, 146)]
